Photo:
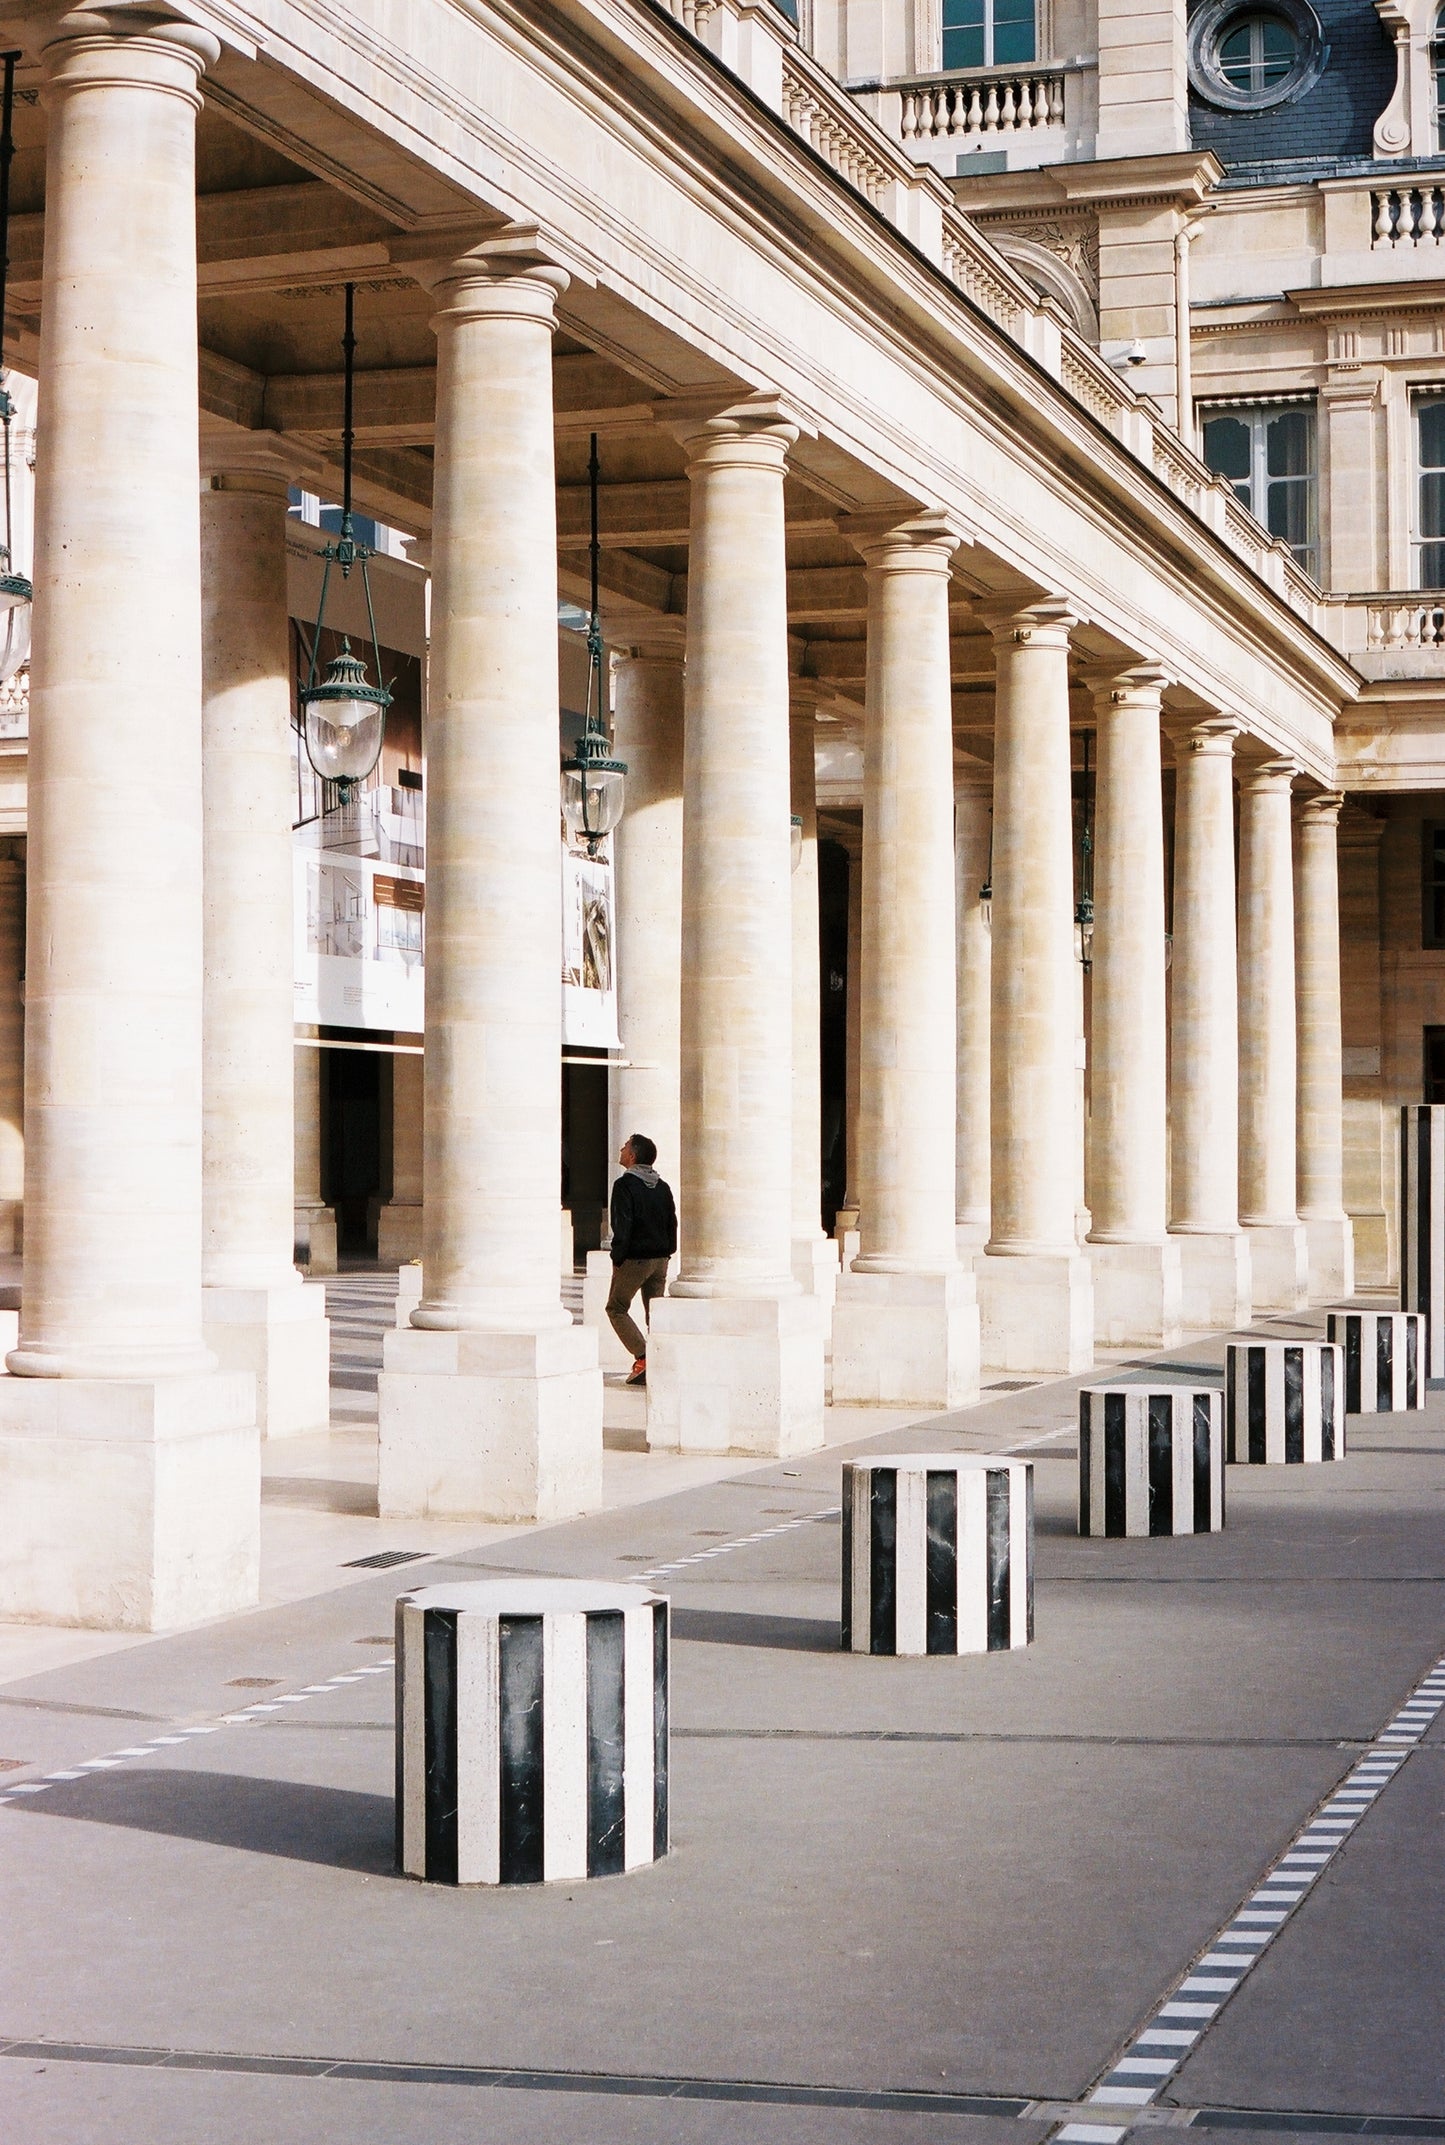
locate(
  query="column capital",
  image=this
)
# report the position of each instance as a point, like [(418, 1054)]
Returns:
[(1130, 686), (1213, 738), (913, 542), (477, 272), (661, 640), (971, 778), (85, 51), (719, 428), (1321, 809), (257, 461), (1270, 775), (1046, 623)]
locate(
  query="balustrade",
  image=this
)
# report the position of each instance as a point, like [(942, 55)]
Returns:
[(962, 110), (1406, 217)]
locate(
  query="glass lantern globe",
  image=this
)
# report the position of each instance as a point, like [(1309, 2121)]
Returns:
[(985, 903), (593, 789), (345, 720), (1084, 933)]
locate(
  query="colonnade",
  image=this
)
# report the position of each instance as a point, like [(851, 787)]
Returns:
[(160, 1302)]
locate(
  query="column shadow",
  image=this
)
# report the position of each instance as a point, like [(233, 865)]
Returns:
[(335, 1828), (730, 1627)]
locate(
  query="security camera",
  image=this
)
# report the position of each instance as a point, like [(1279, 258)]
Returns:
[(1136, 354)]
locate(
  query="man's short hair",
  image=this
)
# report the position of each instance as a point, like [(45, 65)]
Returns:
[(643, 1148)]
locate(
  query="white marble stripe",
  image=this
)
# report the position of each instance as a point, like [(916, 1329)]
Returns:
[(637, 1723), (412, 1729), (564, 1746), (479, 1770), (972, 1560), (910, 1561)]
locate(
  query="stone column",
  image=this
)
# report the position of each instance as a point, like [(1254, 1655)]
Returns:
[(905, 1327), (736, 1361), (258, 1316), (815, 1256), (490, 1404), (12, 1048), (1267, 1117), (1137, 1283), (845, 1222), (1320, 1170), (972, 862), (129, 1466), (1035, 1292), (399, 1224), (644, 1091), (314, 1221), (1204, 1035)]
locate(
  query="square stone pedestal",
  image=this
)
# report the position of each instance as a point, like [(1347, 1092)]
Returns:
[(408, 1292), (815, 1268), (727, 1374), (283, 1338), (489, 1426), (316, 1240), (906, 1340), (1279, 1263), (1138, 1294), (398, 1233), (1036, 1312), (129, 1505), (1217, 1277), (1331, 1252)]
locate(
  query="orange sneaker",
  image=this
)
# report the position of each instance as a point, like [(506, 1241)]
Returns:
[(639, 1372)]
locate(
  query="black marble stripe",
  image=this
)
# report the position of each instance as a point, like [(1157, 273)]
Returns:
[(1331, 1447), (522, 1752), (1029, 1552), (1256, 1372), (942, 1580), (1354, 1344), (1161, 1463), (660, 1649), (846, 1633), (1000, 1605), (606, 1776), (882, 1557), (1086, 1461), (1412, 1363), (1115, 1465), (1203, 1467), (439, 1655), (1384, 1367), (1294, 1405)]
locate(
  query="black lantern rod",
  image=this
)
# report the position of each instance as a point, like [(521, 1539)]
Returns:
[(348, 430), (14, 584)]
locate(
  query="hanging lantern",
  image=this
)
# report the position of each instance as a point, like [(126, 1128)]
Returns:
[(343, 714), (594, 781), (15, 590)]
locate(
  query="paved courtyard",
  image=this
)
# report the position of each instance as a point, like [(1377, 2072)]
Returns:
[(907, 1900)]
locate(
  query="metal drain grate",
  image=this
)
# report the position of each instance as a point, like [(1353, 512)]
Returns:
[(383, 1561), (1011, 1385)]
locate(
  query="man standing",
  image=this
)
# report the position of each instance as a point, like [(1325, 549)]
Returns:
[(644, 1237)]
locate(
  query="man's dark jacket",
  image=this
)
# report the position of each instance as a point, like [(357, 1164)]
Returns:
[(644, 1219)]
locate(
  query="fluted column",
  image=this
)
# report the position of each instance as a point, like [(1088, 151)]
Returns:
[(644, 1092), (1137, 1286), (762, 1391), (490, 1404), (815, 1256), (399, 1223), (258, 1317), (12, 1048), (1267, 1049), (1034, 1288), (1204, 1034), (905, 1327), (972, 857), (98, 1530), (1320, 1169)]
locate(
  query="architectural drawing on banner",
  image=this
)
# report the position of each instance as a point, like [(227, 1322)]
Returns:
[(589, 967)]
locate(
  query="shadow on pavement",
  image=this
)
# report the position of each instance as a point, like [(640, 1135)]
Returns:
[(335, 1827), (729, 1627)]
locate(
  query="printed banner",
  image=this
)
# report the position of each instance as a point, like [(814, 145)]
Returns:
[(589, 962)]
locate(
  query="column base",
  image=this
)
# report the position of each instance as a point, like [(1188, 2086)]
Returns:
[(489, 1426), (1279, 1263), (845, 1236), (1331, 1243), (408, 1293), (1036, 1312), (1138, 1294), (969, 1238), (1218, 1280), (283, 1338), (815, 1268), (398, 1233), (132, 1504), (729, 1374), (906, 1341), (316, 1240)]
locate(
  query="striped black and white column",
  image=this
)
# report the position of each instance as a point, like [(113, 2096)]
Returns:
[(938, 1554), (1284, 1402), (1385, 1353), (1422, 1222), (531, 1731), (1151, 1459)]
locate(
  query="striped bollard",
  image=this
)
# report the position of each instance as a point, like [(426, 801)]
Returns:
[(1422, 1221), (531, 1731), (1384, 1359), (1284, 1402), (1151, 1459), (938, 1554)]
